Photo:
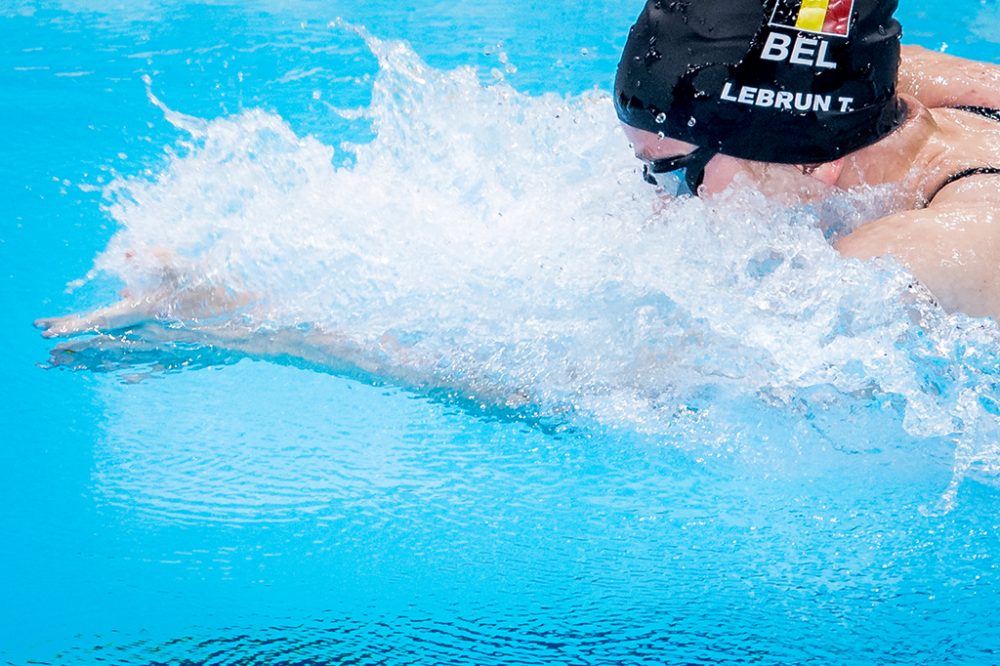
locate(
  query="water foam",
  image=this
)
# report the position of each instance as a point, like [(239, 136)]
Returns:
[(503, 244)]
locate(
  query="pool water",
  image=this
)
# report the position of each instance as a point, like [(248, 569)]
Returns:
[(560, 423)]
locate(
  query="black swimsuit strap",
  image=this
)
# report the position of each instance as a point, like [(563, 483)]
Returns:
[(979, 171), (986, 112)]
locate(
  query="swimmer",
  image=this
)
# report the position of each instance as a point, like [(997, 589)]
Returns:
[(801, 98)]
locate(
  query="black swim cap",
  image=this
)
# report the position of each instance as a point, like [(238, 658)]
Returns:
[(789, 81)]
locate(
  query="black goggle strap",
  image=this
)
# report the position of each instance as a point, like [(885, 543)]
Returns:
[(694, 162)]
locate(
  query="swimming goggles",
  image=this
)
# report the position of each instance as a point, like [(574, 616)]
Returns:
[(694, 164)]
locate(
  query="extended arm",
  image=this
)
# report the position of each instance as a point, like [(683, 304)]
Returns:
[(183, 308)]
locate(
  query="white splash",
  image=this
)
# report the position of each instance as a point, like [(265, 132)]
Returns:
[(504, 244)]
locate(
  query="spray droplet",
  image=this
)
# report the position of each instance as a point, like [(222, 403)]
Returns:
[(661, 118), (692, 122)]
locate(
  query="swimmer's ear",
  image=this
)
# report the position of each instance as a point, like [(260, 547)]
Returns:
[(828, 173)]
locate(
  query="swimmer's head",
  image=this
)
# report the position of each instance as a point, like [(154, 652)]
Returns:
[(802, 82)]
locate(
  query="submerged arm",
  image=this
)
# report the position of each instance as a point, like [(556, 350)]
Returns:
[(939, 80)]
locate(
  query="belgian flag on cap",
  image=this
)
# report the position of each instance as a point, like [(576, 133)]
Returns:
[(823, 17)]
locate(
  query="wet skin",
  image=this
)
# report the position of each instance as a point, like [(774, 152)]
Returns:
[(948, 237)]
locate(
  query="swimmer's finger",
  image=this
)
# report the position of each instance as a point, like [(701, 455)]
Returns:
[(59, 327), (53, 327)]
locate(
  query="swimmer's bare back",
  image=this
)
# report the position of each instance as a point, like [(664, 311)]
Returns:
[(939, 80)]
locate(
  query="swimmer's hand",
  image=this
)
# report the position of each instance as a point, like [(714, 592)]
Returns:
[(126, 313), (176, 298), (157, 306)]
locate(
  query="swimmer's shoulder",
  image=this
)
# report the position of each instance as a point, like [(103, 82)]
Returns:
[(952, 247), (973, 139), (970, 132)]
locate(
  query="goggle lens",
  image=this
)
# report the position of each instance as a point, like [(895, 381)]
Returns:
[(694, 164)]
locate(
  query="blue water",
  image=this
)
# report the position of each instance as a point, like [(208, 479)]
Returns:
[(565, 434)]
